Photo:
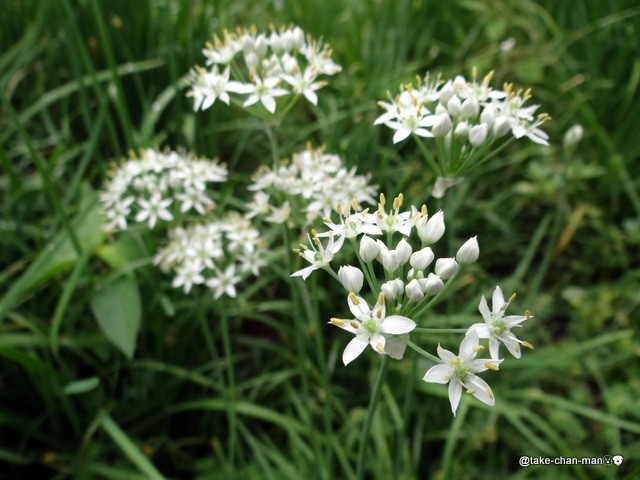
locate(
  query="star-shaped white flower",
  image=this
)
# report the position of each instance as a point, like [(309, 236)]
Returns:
[(497, 327), (153, 209), (460, 371), (371, 327), (320, 257), (264, 91)]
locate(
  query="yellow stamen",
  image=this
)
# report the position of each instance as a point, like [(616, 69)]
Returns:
[(381, 298), (337, 321), (354, 204), (528, 345), (314, 233), (339, 208), (527, 314), (354, 325), (491, 366), (423, 210), (471, 391), (487, 78), (383, 200), (454, 362), (354, 299), (477, 348)]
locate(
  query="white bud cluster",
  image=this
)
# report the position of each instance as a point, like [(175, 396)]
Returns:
[(470, 114)]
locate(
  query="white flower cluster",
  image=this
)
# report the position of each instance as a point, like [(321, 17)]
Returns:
[(219, 254), (263, 67), (404, 289), (469, 115), (310, 184), (156, 185)]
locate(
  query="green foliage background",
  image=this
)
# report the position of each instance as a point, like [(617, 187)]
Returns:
[(84, 81)]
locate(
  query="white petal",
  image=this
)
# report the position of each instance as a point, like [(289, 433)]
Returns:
[(395, 347), (498, 300), (484, 309), (304, 273), (397, 325), (482, 391), (481, 329), (353, 349), (446, 355), (361, 309), (513, 345), (468, 344), (438, 374), (401, 134), (455, 392), (494, 345), (269, 103)]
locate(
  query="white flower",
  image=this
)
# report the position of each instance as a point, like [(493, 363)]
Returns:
[(209, 86), (469, 251), (351, 278), (478, 134), (225, 282), (370, 327), (497, 327), (319, 258), (153, 209), (431, 229), (264, 91), (459, 371)]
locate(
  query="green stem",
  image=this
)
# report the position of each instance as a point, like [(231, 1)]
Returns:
[(422, 352), (440, 330), (373, 403), (428, 156), (273, 144), (425, 305), (231, 390)]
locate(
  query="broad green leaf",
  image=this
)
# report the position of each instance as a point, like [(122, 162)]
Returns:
[(117, 309)]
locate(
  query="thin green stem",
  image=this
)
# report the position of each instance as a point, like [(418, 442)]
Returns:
[(273, 144), (428, 156), (373, 404), (422, 352), (231, 389), (425, 304)]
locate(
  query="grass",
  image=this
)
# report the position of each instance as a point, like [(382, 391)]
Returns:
[(83, 82)]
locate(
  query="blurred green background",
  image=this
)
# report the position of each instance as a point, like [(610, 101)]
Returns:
[(85, 81)]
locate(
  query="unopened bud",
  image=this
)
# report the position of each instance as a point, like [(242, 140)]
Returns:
[(351, 278), (442, 125), (501, 126), (404, 251), (469, 251), (432, 285), (413, 291), (445, 267), (470, 108), (422, 258), (573, 136), (369, 249), (478, 134), (392, 289)]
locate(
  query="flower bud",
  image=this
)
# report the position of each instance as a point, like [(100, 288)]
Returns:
[(369, 249), (470, 108), (390, 259), (413, 291), (392, 289), (488, 115), (261, 45), (422, 258), (251, 59), (478, 134), (454, 106), (445, 267), (404, 251), (469, 251), (432, 285), (351, 278), (501, 126), (446, 92), (442, 125), (573, 136), (432, 230), (462, 129)]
